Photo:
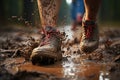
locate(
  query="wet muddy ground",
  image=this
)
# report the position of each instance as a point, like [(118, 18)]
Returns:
[(16, 45)]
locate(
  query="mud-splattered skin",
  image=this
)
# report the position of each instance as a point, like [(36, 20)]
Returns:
[(48, 10)]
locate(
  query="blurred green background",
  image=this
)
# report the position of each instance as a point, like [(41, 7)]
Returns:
[(25, 12)]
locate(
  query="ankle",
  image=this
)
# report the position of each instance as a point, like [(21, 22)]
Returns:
[(88, 22), (90, 18)]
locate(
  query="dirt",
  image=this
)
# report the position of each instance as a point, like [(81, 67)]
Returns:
[(17, 43)]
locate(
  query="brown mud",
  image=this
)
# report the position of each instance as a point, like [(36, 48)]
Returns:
[(16, 45)]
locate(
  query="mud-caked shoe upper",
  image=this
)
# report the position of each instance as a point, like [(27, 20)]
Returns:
[(90, 36), (49, 50)]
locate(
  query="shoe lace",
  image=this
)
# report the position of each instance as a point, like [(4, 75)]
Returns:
[(47, 33), (88, 27), (88, 31)]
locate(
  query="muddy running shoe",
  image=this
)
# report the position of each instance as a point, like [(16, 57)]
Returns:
[(49, 50), (90, 37)]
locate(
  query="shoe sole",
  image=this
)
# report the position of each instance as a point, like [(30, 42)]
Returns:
[(86, 49), (46, 58)]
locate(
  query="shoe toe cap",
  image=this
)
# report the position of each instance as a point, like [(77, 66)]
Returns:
[(45, 54), (88, 47)]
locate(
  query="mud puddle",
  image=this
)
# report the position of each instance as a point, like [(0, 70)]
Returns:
[(70, 71), (65, 70)]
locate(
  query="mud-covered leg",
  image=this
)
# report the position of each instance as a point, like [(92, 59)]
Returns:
[(48, 10), (49, 50)]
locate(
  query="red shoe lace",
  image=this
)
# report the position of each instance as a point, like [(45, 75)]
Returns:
[(89, 31), (88, 27), (47, 33)]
